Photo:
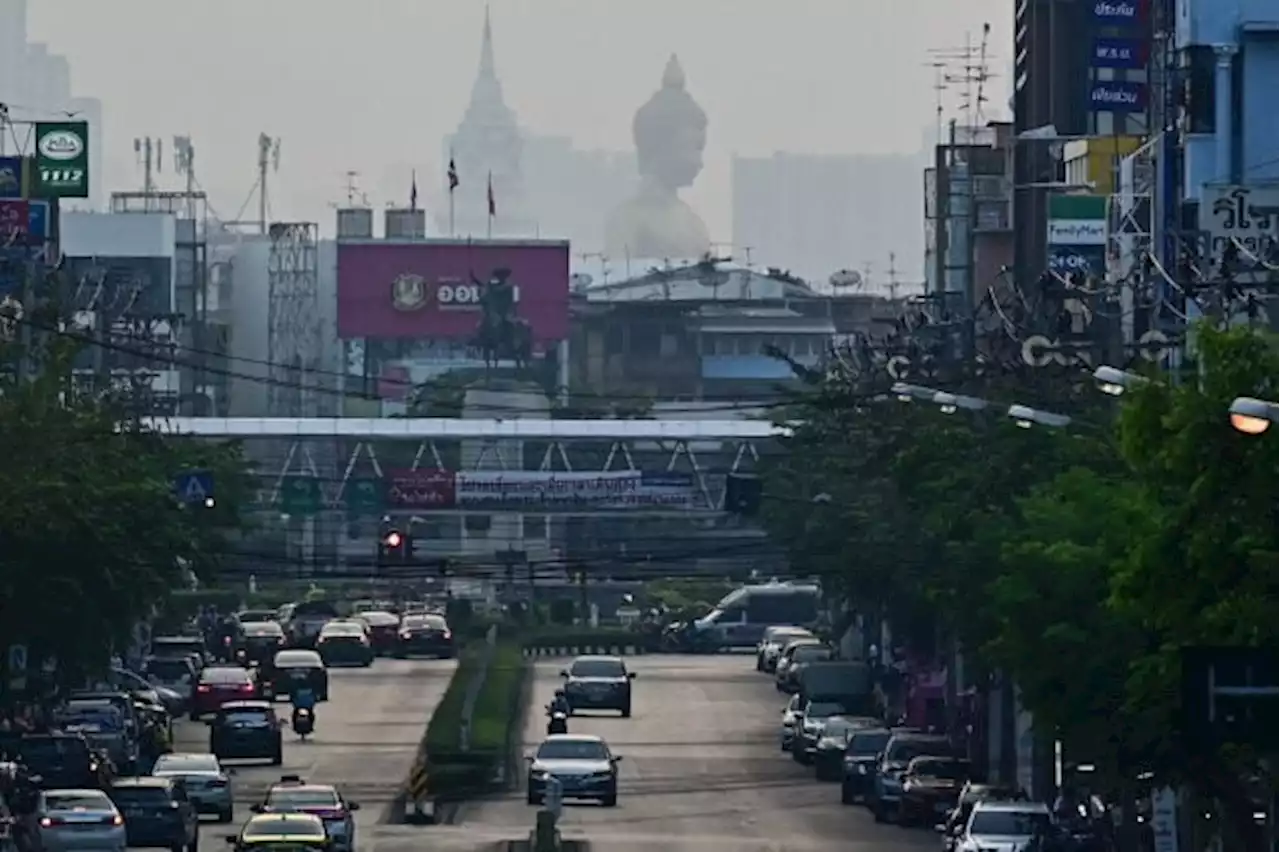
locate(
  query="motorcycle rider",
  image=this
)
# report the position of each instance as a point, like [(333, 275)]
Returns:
[(303, 698), (559, 704)]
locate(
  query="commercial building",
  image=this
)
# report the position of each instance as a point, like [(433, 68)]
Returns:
[(123, 276), (706, 331), (968, 207)]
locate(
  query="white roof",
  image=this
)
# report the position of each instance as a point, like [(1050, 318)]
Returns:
[(425, 428)]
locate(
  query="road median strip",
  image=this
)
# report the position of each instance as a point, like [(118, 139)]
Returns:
[(447, 769)]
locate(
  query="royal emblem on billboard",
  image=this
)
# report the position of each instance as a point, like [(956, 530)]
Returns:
[(409, 293)]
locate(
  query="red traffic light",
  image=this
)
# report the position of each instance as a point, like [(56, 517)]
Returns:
[(393, 539)]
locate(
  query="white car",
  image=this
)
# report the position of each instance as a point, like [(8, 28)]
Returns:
[(775, 639), (77, 821), (1005, 826)]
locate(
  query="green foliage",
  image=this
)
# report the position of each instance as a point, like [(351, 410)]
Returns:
[(1078, 561), (563, 611), (93, 539)]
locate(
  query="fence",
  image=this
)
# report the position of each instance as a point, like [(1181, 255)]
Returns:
[(474, 688)]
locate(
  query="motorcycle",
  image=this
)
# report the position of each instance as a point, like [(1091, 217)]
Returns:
[(557, 721), (304, 722)]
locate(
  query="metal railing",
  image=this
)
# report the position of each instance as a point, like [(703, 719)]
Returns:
[(474, 687)]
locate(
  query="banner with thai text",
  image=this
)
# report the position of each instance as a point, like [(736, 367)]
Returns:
[(562, 490)]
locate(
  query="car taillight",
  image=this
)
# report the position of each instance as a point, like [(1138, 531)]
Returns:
[(279, 640), (446, 635), (226, 640), (49, 822), (204, 687), (328, 814), (405, 634), (114, 820), (246, 687)]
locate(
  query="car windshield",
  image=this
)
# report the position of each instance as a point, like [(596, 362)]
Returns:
[(52, 748), (89, 800), (573, 750), (281, 827), (1007, 823), (246, 718), (344, 629), (170, 669), (263, 629), (186, 763), (314, 609), (131, 796), (285, 797), (298, 659), (418, 622), (823, 709), (257, 616), (787, 634), (90, 718), (904, 751), (597, 668), (225, 677), (839, 728), (951, 770), (810, 653), (982, 793), (178, 647), (868, 743), (379, 619)]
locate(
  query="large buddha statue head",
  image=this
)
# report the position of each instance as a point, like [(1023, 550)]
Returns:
[(670, 132)]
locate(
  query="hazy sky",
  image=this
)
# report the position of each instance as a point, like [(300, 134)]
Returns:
[(374, 85)]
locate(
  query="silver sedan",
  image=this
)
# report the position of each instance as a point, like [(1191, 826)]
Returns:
[(208, 782), (67, 820)]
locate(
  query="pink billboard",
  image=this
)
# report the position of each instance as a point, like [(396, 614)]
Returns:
[(434, 288)]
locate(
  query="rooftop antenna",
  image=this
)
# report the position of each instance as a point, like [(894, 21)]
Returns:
[(968, 66), (355, 196), (268, 161), (184, 163), (939, 88), (149, 152)]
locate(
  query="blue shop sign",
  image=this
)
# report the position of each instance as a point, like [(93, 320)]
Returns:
[(1119, 96), (1118, 53), (1120, 13)]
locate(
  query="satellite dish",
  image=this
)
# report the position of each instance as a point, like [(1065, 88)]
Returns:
[(845, 279), (579, 281)]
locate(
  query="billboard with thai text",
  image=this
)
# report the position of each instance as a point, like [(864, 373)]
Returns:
[(434, 288), (538, 491)]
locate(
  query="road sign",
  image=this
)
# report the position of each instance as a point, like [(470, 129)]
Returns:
[(364, 496), (300, 495), (194, 487), (17, 667)]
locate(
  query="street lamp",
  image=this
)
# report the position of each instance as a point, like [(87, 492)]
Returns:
[(906, 393), (1026, 417), (950, 403), (1113, 381), (1253, 416)]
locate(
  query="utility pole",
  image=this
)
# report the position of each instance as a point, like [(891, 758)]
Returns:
[(892, 274), (268, 161)]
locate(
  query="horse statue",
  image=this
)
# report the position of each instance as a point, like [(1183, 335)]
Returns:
[(501, 335)]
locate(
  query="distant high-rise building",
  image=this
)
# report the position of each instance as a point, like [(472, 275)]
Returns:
[(36, 84), (816, 214), (570, 191), (486, 149)]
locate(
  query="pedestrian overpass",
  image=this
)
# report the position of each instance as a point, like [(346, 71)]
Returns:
[(492, 446)]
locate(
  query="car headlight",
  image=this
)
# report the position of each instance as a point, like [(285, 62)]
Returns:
[(862, 769)]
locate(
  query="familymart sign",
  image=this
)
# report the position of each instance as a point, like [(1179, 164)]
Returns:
[(62, 159)]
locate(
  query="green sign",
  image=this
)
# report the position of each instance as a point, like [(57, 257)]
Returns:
[(364, 496), (300, 495), (62, 159)]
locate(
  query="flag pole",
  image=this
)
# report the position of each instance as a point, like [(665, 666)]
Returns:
[(451, 219)]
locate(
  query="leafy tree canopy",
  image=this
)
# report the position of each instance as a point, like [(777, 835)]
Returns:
[(92, 539)]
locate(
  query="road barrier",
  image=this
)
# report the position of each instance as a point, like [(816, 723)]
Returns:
[(617, 650)]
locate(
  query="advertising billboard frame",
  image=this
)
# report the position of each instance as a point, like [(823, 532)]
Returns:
[(398, 289), (61, 159)]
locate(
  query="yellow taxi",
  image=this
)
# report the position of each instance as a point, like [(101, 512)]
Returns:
[(281, 832)]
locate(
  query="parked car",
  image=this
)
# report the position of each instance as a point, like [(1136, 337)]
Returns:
[(891, 770), (774, 640), (861, 754), (931, 788)]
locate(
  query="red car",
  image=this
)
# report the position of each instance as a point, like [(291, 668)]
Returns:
[(384, 629), (220, 684)]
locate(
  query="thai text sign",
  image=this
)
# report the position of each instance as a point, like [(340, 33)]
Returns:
[(612, 490), (62, 159), (429, 489), (1246, 216)]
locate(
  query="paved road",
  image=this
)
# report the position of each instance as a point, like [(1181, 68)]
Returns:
[(366, 739), (701, 771)]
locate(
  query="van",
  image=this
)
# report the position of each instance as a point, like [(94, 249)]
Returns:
[(741, 617)]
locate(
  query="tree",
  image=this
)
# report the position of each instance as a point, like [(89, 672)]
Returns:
[(93, 538)]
